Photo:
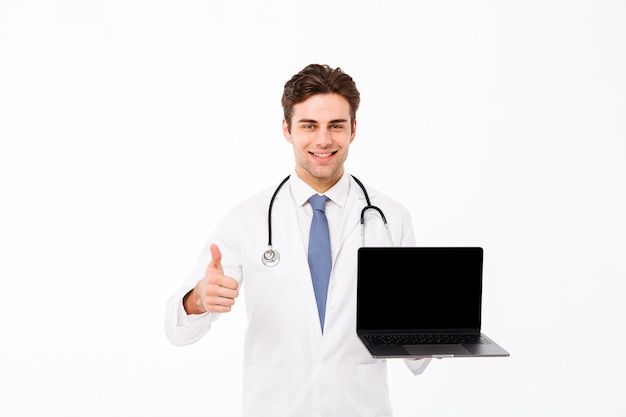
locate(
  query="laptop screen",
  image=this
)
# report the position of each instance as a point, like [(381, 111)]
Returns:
[(430, 289)]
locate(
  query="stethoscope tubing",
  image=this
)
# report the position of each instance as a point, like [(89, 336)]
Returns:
[(269, 211), (369, 205), (271, 257)]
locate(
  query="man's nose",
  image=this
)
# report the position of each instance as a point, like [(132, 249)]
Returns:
[(323, 138)]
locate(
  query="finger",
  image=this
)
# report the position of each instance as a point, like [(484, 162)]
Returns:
[(220, 301), (228, 283), (217, 304), (216, 258), (222, 292), (222, 286), (218, 309)]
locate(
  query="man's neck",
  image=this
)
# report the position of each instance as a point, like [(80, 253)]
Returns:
[(320, 185)]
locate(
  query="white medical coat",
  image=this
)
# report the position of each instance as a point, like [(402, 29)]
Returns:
[(290, 367)]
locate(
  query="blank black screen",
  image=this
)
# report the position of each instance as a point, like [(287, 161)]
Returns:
[(419, 288)]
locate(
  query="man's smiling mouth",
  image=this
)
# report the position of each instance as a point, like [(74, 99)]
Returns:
[(322, 155)]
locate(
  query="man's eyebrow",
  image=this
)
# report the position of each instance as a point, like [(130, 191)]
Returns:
[(315, 121)]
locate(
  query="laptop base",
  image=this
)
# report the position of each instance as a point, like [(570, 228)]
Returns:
[(489, 349)]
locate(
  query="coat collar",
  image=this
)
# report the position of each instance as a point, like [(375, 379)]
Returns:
[(301, 191)]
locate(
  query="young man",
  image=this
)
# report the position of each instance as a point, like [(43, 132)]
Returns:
[(302, 356)]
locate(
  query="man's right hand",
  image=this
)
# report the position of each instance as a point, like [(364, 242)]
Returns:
[(215, 292)]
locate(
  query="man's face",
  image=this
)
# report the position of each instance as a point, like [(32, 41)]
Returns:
[(321, 133)]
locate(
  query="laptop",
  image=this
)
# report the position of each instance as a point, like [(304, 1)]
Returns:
[(422, 302)]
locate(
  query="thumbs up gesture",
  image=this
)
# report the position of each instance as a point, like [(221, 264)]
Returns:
[(215, 292)]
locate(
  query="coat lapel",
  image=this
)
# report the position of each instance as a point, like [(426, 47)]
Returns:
[(352, 213), (295, 255)]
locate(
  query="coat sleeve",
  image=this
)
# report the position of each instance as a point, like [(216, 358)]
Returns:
[(183, 329), (417, 366)]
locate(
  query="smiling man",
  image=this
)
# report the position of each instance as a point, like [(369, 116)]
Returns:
[(302, 356), (321, 131)]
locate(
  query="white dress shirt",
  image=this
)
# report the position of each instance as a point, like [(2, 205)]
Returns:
[(338, 195)]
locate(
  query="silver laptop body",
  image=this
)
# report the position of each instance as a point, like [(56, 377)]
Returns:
[(420, 302)]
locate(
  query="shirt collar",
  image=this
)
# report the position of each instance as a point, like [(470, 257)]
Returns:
[(301, 191)]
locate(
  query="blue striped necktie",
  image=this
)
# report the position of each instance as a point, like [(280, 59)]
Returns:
[(319, 253)]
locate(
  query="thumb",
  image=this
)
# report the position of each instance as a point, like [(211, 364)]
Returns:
[(216, 258)]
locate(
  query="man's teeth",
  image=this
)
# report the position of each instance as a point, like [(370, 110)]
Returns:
[(323, 155)]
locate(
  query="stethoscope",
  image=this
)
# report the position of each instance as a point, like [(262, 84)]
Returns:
[(271, 256)]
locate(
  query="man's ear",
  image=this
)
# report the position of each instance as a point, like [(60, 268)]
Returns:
[(286, 132), (353, 130)]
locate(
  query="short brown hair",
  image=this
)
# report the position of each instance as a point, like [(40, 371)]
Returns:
[(319, 79)]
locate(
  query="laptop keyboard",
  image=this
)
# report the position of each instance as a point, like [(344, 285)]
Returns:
[(426, 339)]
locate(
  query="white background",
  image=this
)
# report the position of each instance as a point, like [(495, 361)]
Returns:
[(128, 128)]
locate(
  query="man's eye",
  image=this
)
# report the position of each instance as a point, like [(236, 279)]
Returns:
[(336, 127)]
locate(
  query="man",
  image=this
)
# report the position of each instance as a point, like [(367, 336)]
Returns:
[(302, 356)]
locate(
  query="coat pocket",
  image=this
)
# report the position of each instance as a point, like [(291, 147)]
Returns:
[(374, 392), (265, 391)]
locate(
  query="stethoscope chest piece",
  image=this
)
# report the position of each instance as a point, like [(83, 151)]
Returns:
[(270, 257)]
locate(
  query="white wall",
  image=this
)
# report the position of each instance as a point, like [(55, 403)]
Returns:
[(127, 128)]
